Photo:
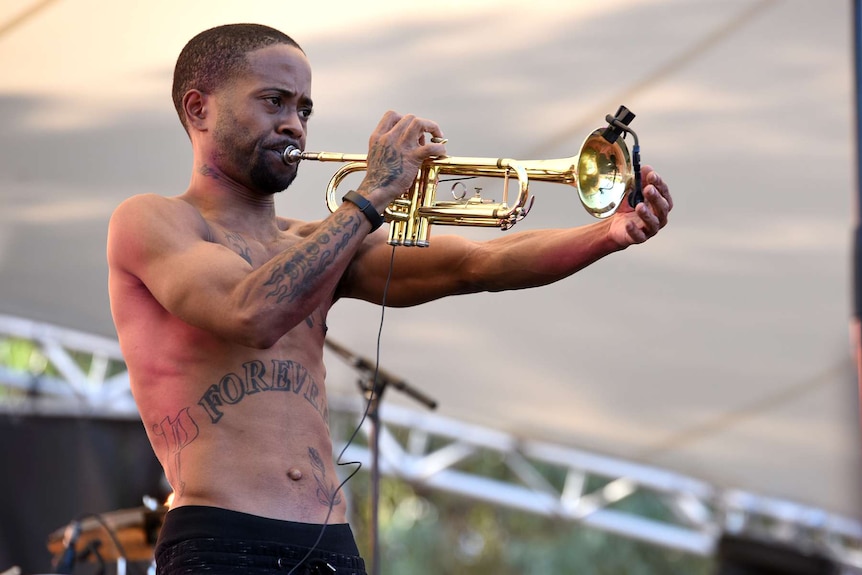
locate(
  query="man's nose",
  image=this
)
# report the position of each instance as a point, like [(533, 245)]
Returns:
[(291, 125)]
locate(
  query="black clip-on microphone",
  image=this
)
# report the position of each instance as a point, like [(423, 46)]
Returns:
[(618, 124)]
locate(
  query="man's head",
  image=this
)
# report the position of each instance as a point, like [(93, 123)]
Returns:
[(216, 56)]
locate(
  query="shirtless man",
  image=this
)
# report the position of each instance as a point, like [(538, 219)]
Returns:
[(221, 305)]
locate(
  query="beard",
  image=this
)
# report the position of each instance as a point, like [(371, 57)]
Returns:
[(250, 160), (267, 180)]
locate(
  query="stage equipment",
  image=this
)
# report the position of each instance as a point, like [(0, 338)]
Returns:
[(749, 555), (603, 172), (122, 535), (373, 382)]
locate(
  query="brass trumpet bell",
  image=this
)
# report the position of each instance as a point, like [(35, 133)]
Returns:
[(604, 174)]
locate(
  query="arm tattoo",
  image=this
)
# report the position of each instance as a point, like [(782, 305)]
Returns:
[(296, 277), (327, 493)]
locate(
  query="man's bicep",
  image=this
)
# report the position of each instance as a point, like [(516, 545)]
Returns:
[(169, 253), (192, 281)]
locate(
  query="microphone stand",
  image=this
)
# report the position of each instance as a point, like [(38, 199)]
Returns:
[(373, 382)]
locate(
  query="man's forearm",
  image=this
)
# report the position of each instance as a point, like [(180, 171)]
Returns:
[(285, 290), (540, 257)]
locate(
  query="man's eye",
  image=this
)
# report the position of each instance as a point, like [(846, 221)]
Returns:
[(305, 113), (274, 100)]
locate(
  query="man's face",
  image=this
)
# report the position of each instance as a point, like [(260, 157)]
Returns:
[(260, 113)]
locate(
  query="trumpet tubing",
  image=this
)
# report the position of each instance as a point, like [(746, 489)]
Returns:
[(602, 173)]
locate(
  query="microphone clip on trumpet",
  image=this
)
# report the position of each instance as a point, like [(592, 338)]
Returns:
[(603, 173), (617, 124)]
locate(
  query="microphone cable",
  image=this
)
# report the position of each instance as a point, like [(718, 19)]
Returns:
[(368, 405)]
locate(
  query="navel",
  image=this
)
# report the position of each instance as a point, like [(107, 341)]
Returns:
[(294, 473)]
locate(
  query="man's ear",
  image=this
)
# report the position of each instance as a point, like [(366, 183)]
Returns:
[(196, 107)]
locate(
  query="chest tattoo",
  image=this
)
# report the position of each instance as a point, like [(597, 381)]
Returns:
[(238, 244)]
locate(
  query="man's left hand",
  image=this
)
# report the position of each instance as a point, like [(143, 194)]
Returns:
[(634, 226)]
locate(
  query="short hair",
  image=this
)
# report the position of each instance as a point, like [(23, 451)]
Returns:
[(216, 56)]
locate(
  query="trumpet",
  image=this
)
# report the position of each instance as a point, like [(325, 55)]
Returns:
[(603, 172)]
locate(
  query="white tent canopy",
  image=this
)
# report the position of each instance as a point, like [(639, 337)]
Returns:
[(719, 350)]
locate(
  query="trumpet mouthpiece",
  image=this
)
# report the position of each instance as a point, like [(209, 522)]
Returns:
[(291, 155)]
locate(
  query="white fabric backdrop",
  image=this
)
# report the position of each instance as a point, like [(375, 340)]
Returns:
[(720, 349)]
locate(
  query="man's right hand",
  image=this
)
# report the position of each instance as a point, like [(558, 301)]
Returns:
[(396, 150)]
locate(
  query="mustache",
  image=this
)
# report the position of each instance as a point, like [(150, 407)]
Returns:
[(292, 154), (282, 145)]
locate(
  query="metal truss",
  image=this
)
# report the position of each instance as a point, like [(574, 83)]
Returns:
[(426, 449), (80, 380), (429, 450)]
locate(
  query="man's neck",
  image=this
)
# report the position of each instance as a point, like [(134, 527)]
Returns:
[(232, 205)]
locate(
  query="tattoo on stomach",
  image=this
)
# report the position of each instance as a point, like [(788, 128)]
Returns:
[(178, 432), (284, 375), (327, 491), (310, 321)]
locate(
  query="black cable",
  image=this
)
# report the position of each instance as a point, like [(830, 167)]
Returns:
[(368, 405), (92, 548), (112, 534)]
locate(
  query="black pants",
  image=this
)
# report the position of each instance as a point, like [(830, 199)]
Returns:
[(196, 540)]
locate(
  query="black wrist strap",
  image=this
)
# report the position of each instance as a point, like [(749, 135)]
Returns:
[(370, 213)]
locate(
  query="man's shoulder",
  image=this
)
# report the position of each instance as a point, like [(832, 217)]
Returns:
[(147, 222), (146, 210), (154, 203)]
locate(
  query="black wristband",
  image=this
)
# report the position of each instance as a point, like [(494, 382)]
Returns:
[(366, 207)]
